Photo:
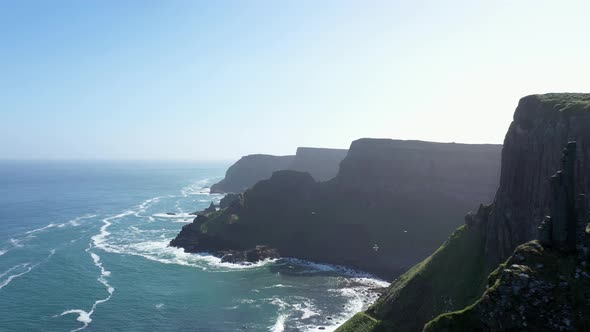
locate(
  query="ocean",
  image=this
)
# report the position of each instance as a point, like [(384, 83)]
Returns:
[(83, 246)]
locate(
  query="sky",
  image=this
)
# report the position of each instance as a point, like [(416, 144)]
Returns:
[(215, 80)]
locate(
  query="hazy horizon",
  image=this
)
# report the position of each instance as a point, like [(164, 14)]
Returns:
[(179, 80)]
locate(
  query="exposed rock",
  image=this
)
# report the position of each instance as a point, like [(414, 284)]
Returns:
[(228, 200), (210, 209), (401, 197), (542, 126), (259, 253)]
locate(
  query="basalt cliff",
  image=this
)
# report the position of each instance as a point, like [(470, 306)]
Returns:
[(322, 164), (389, 206), (540, 286)]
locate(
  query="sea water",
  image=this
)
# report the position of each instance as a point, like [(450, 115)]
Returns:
[(84, 245)]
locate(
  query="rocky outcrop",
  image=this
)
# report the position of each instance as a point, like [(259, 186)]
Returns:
[(322, 164), (258, 253), (542, 126), (538, 288), (390, 205), (249, 170)]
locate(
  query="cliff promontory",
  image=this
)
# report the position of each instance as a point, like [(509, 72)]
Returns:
[(455, 276), (390, 205)]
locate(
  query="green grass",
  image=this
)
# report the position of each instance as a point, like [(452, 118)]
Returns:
[(452, 278), (567, 102), (555, 265)]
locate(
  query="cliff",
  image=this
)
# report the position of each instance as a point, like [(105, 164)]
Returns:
[(452, 279), (321, 164), (389, 206), (249, 170), (542, 126)]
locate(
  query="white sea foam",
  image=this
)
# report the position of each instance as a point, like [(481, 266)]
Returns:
[(74, 222), (160, 251), (307, 309), (198, 188), (41, 229), (279, 325), (20, 269), (16, 243), (279, 286), (2, 252), (146, 204), (83, 315), (187, 217)]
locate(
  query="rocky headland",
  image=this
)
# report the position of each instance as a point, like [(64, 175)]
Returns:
[(389, 206)]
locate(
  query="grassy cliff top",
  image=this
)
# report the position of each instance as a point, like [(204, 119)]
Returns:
[(564, 102)]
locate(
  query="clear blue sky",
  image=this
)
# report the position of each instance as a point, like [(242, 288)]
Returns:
[(219, 79)]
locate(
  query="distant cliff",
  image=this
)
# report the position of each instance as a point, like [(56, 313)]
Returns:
[(249, 170), (455, 275), (321, 163), (390, 205)]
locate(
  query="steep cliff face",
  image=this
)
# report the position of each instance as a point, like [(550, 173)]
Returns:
[(464, 172), (249, 170), (321, 163), (382, 213), (542, 126)]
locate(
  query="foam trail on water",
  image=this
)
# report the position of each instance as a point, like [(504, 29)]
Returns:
[(14, 276), (21, 270), (98, 242), (73, 222), (41, 229), (83, 315)]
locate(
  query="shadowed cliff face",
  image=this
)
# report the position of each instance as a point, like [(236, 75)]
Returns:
[(249, 170), (455, 275), (542, 126), (391, 205), (321, 163)]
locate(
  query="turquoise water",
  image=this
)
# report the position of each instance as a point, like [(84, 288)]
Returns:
[(83, 245)]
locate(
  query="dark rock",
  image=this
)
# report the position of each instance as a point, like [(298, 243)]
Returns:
[(381, 186), (228, 200), (256, 254), (542, 126), (210, 209)]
